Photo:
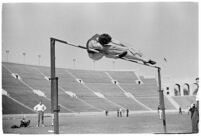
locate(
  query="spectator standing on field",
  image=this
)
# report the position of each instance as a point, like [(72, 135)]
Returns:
[(159, 112), (127, 112), (120, 112), (195, 121), (195, 112), (180, 111), (117, 112), (106, 112), (192, 109), (40, 108)]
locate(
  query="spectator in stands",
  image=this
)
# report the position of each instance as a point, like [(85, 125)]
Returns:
[(127, 112), (40, 108), (180, 110)]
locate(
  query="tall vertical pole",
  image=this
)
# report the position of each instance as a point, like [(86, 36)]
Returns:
[(39, 56), (94, 63), (74, 60), (7, 52), (56, 108), (161, 99), (24, 54), (54, 87), (113, 64), (52, 63)]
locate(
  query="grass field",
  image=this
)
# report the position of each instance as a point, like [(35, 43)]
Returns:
[(79, 124)]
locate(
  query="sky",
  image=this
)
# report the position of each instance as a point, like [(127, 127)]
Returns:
[(158, 30)]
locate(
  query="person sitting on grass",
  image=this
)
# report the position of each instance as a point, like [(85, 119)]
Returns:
[(23, 123)]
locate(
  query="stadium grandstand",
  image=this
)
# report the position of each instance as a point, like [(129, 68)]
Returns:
[(83, 90)]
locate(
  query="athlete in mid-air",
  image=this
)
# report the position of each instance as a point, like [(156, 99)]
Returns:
[(103, 45)]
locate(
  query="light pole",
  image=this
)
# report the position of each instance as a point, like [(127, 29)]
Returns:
[(74, 61), (39, 56), (113, 64), (94, 63), (24, 54), (7, 53)]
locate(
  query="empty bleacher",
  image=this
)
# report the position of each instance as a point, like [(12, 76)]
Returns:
[(123, 76), (113, 93), (91, 90), (68, 83), (9, 106), (149, 81), (147, 94), (100, 82), (39, 82), (19, 91), (91, 76), (185, 101), (85, 94)]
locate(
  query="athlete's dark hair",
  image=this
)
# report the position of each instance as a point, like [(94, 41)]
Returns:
[(104, 39)]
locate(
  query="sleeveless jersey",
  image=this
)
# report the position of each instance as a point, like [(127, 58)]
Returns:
[(92, 43)]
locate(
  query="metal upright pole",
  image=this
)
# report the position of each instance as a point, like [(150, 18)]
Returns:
[(161, 99), (56, 108), (54, 87), (52, 63)]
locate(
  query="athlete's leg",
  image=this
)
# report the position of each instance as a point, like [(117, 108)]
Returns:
[(131, 56), (136, 57), (120, 52)]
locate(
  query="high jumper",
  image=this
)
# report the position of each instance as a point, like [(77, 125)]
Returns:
[(103, 45)]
